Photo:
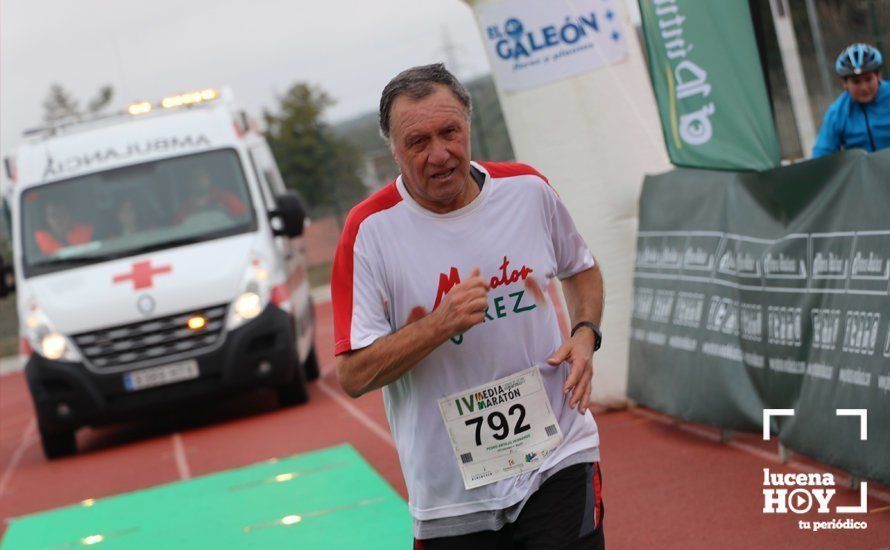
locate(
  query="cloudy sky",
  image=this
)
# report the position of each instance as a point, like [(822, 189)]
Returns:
[(149, 49)]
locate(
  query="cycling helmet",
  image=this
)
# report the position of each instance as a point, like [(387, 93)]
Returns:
[(858, 59)]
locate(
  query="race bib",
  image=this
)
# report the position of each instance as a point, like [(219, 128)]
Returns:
[(501, 429)]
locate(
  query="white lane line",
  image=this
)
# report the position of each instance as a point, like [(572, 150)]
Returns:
[(24, 443), (877, 494), (321, 294), (182, 464), (354, 411), (11, 365)]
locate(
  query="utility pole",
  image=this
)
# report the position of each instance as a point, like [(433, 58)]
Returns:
[(797, 86), (876, 31), (824, 71), (451, 61), (449, 49)]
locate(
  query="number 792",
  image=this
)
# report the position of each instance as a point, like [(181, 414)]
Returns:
[(499, 424)]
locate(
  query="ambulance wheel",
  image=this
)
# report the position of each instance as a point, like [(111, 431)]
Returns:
[(310, 367), (295, 391), (58, 444)]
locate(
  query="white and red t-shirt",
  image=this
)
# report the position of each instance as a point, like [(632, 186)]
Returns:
[(394, 255)]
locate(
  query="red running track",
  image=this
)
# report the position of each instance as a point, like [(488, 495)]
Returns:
[(666, 485)]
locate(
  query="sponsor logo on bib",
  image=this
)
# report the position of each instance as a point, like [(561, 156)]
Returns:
[(488, 397)]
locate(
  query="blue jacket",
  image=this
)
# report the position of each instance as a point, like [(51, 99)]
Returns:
[(849, 124)]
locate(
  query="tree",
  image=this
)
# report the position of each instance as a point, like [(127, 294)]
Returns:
[(101, 100), (60, 104), (324, 168)]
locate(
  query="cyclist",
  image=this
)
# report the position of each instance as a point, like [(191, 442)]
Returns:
[(860, 117)]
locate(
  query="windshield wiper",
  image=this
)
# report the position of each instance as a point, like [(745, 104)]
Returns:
[(173, 243), (95, 258)]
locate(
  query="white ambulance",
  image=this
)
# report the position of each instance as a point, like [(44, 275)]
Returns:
[(158, 260)]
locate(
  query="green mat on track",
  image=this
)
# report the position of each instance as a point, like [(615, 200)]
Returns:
[(325, 499)]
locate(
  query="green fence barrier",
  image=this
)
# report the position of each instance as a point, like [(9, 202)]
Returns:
[(770, 290)]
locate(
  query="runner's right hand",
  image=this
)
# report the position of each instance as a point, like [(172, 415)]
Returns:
[(464, 305)]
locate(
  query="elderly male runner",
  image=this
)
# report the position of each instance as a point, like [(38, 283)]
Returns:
[(437, 299)]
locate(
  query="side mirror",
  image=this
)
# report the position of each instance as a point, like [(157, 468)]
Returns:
[(290, 213), (7, 279)]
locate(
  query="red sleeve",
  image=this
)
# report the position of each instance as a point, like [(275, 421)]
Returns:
[(343, 268)]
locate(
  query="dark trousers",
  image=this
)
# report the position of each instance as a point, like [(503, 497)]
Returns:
[(565, 513)]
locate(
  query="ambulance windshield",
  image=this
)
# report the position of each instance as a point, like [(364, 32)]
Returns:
[(134, 210)]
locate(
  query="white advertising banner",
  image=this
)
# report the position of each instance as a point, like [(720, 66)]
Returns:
[(536, 42)]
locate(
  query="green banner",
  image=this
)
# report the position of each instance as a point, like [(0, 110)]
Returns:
[(708, 81), (770, 289)]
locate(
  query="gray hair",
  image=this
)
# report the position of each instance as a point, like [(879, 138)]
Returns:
[(417, 83)]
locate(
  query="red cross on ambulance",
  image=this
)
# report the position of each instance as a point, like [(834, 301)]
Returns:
[(142, 274)]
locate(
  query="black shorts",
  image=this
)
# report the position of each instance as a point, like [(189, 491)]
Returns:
[(565, 513)]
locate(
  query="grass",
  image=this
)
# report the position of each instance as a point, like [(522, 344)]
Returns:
[(8, 346), (9, 326), (320, 275)]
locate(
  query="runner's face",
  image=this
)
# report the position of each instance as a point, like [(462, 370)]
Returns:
[(430, 140), (863, 87)]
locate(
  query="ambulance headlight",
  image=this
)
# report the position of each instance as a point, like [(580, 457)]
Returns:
[(45, 340), (256, 290), (248, 305), (53, 346)]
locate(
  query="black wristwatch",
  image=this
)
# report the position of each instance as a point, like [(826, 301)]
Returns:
[(598, 336)]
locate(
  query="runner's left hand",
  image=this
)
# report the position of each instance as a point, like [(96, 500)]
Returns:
[(578, 351)]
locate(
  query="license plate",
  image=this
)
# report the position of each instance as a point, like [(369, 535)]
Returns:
[(160, 376)]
